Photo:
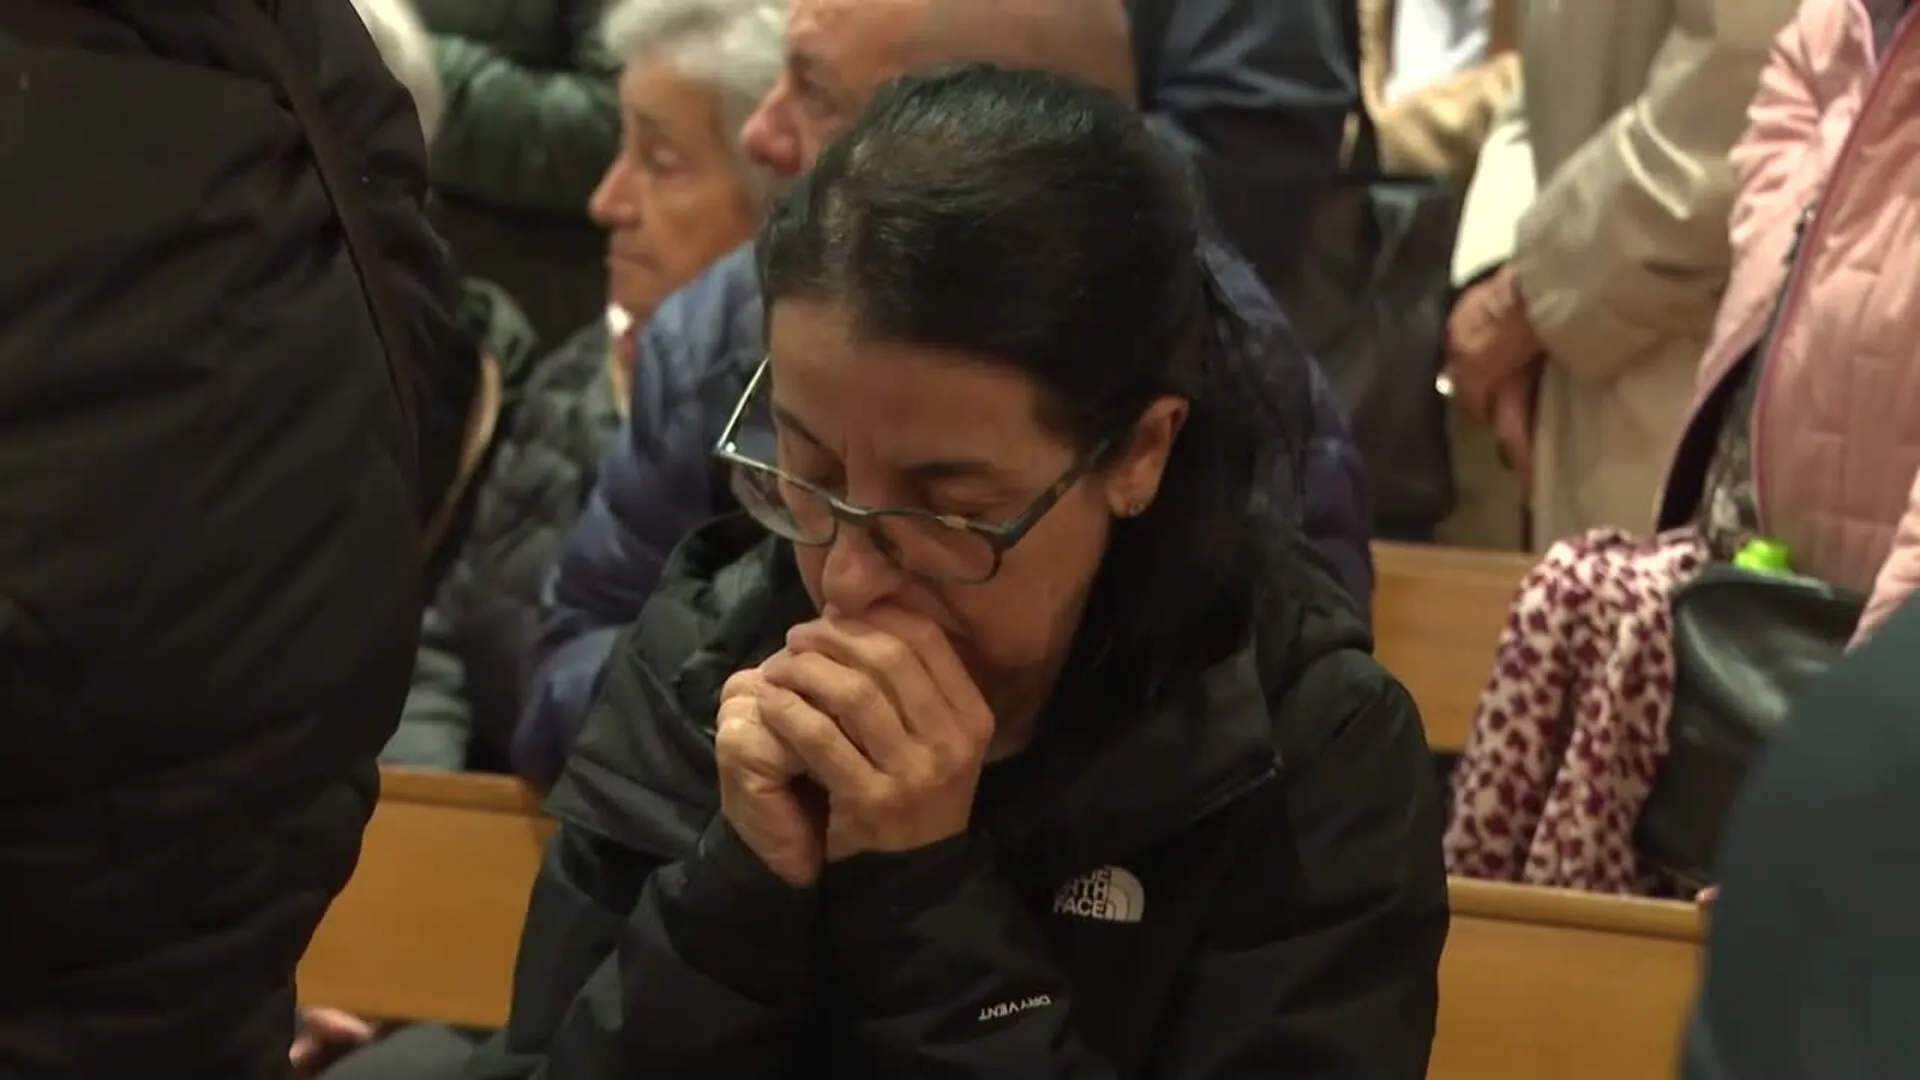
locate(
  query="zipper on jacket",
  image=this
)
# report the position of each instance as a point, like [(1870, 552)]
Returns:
[(1797, 278), (1232, 791), (1763, 346), (1791, 264)]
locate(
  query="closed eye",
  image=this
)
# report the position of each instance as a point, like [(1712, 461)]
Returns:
[(986, 510)]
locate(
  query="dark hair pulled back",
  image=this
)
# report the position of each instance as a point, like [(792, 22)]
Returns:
[(1036, 220)]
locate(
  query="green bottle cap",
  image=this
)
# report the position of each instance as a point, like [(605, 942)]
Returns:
[(1764, 556)]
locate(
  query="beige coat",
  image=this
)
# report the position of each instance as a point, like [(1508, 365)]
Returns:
[(1627, 111)]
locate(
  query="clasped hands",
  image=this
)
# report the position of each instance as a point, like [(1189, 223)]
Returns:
[(858, 736), (1493, 364)]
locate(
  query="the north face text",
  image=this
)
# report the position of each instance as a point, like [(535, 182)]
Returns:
[(1109, 894)]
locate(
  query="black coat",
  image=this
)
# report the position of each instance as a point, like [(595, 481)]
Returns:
[(1243, 880), (209, 523), (1813, 958)]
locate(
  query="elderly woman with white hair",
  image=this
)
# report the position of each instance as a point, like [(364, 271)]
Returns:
[(676, 197)]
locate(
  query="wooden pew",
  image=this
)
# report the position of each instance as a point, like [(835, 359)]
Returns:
[(1437, 614), (1534, 982), (428, 927), (1543, 982)]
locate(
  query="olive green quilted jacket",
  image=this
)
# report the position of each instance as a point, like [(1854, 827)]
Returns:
[(532, 122)]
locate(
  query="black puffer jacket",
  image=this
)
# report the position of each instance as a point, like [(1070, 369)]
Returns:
[(1239, 879), (477, 635), (1813, 964), (209, 522)]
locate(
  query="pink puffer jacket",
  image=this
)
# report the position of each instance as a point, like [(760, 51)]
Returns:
[(1836, 426)]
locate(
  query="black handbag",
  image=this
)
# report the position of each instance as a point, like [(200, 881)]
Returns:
[(1745, 644), (1370, 302)]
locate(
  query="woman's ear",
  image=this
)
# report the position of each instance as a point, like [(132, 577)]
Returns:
[(1133, 480)]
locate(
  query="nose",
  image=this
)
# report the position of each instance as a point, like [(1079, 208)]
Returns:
[(857, 575), (768, 139), (609, 205)]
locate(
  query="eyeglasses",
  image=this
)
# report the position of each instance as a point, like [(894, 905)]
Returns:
[(943, 548)]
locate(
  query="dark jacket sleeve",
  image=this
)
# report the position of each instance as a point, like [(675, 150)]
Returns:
[(1322, 963), (630, 966), (1256, 93), (524, 139)]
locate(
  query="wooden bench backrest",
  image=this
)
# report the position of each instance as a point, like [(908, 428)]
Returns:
[(429, 925), (1543, 982), (1534, 982), (1437, 615)]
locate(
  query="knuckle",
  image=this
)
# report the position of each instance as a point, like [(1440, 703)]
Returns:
[(734, 715), (964, 741), (925, 769), (738, 731), (786, 713), (777, 703), (730, 744), (741, 684), (773, 667), (865, 696), (891, 650), (883, 798), (960, 759)]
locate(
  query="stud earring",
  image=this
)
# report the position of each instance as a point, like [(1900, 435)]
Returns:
[(1134, 509)]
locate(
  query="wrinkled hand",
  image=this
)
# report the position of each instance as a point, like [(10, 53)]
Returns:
[(1490, 341), (1511, 420), (763, 792), (888, 721), (325, 1034)]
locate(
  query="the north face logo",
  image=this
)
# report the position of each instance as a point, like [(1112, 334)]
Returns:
[(1109, 894)]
